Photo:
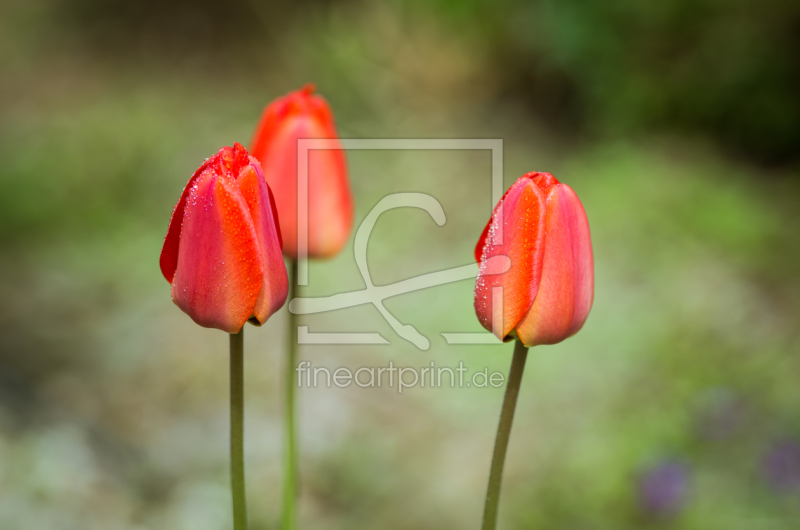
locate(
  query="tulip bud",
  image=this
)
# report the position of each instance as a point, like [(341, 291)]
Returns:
[(302, 114), (540, 224), (222, 252)]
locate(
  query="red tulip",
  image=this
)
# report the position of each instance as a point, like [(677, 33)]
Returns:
[(302, 114), (222, 253), (540, 224)]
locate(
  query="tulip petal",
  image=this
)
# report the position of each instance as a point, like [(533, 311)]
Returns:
[(303, 115), (566, 290), (482, 240), (220, 266), (330, 204), (521, 214), (275, 282), (274, 209), (169, 251)]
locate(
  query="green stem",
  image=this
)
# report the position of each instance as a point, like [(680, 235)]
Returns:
[(503, 434), (237, 431), (290, 484)]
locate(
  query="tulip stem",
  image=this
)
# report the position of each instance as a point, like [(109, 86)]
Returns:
[(290, 482), (503, 435), (237, 431)]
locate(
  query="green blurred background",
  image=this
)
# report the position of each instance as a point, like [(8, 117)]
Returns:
[(677, 123)]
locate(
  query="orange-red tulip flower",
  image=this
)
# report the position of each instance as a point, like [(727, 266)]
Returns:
[(540, 224), (222, 252), (302, 114)]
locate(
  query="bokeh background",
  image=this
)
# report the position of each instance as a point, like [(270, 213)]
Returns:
[(677, 123)]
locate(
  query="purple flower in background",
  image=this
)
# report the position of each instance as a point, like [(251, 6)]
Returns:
[(663, 488), (781, 465)]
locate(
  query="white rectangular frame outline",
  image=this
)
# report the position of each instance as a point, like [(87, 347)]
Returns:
[(304, 145)]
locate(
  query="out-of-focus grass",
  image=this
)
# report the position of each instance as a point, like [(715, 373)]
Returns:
[(113, 403)]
